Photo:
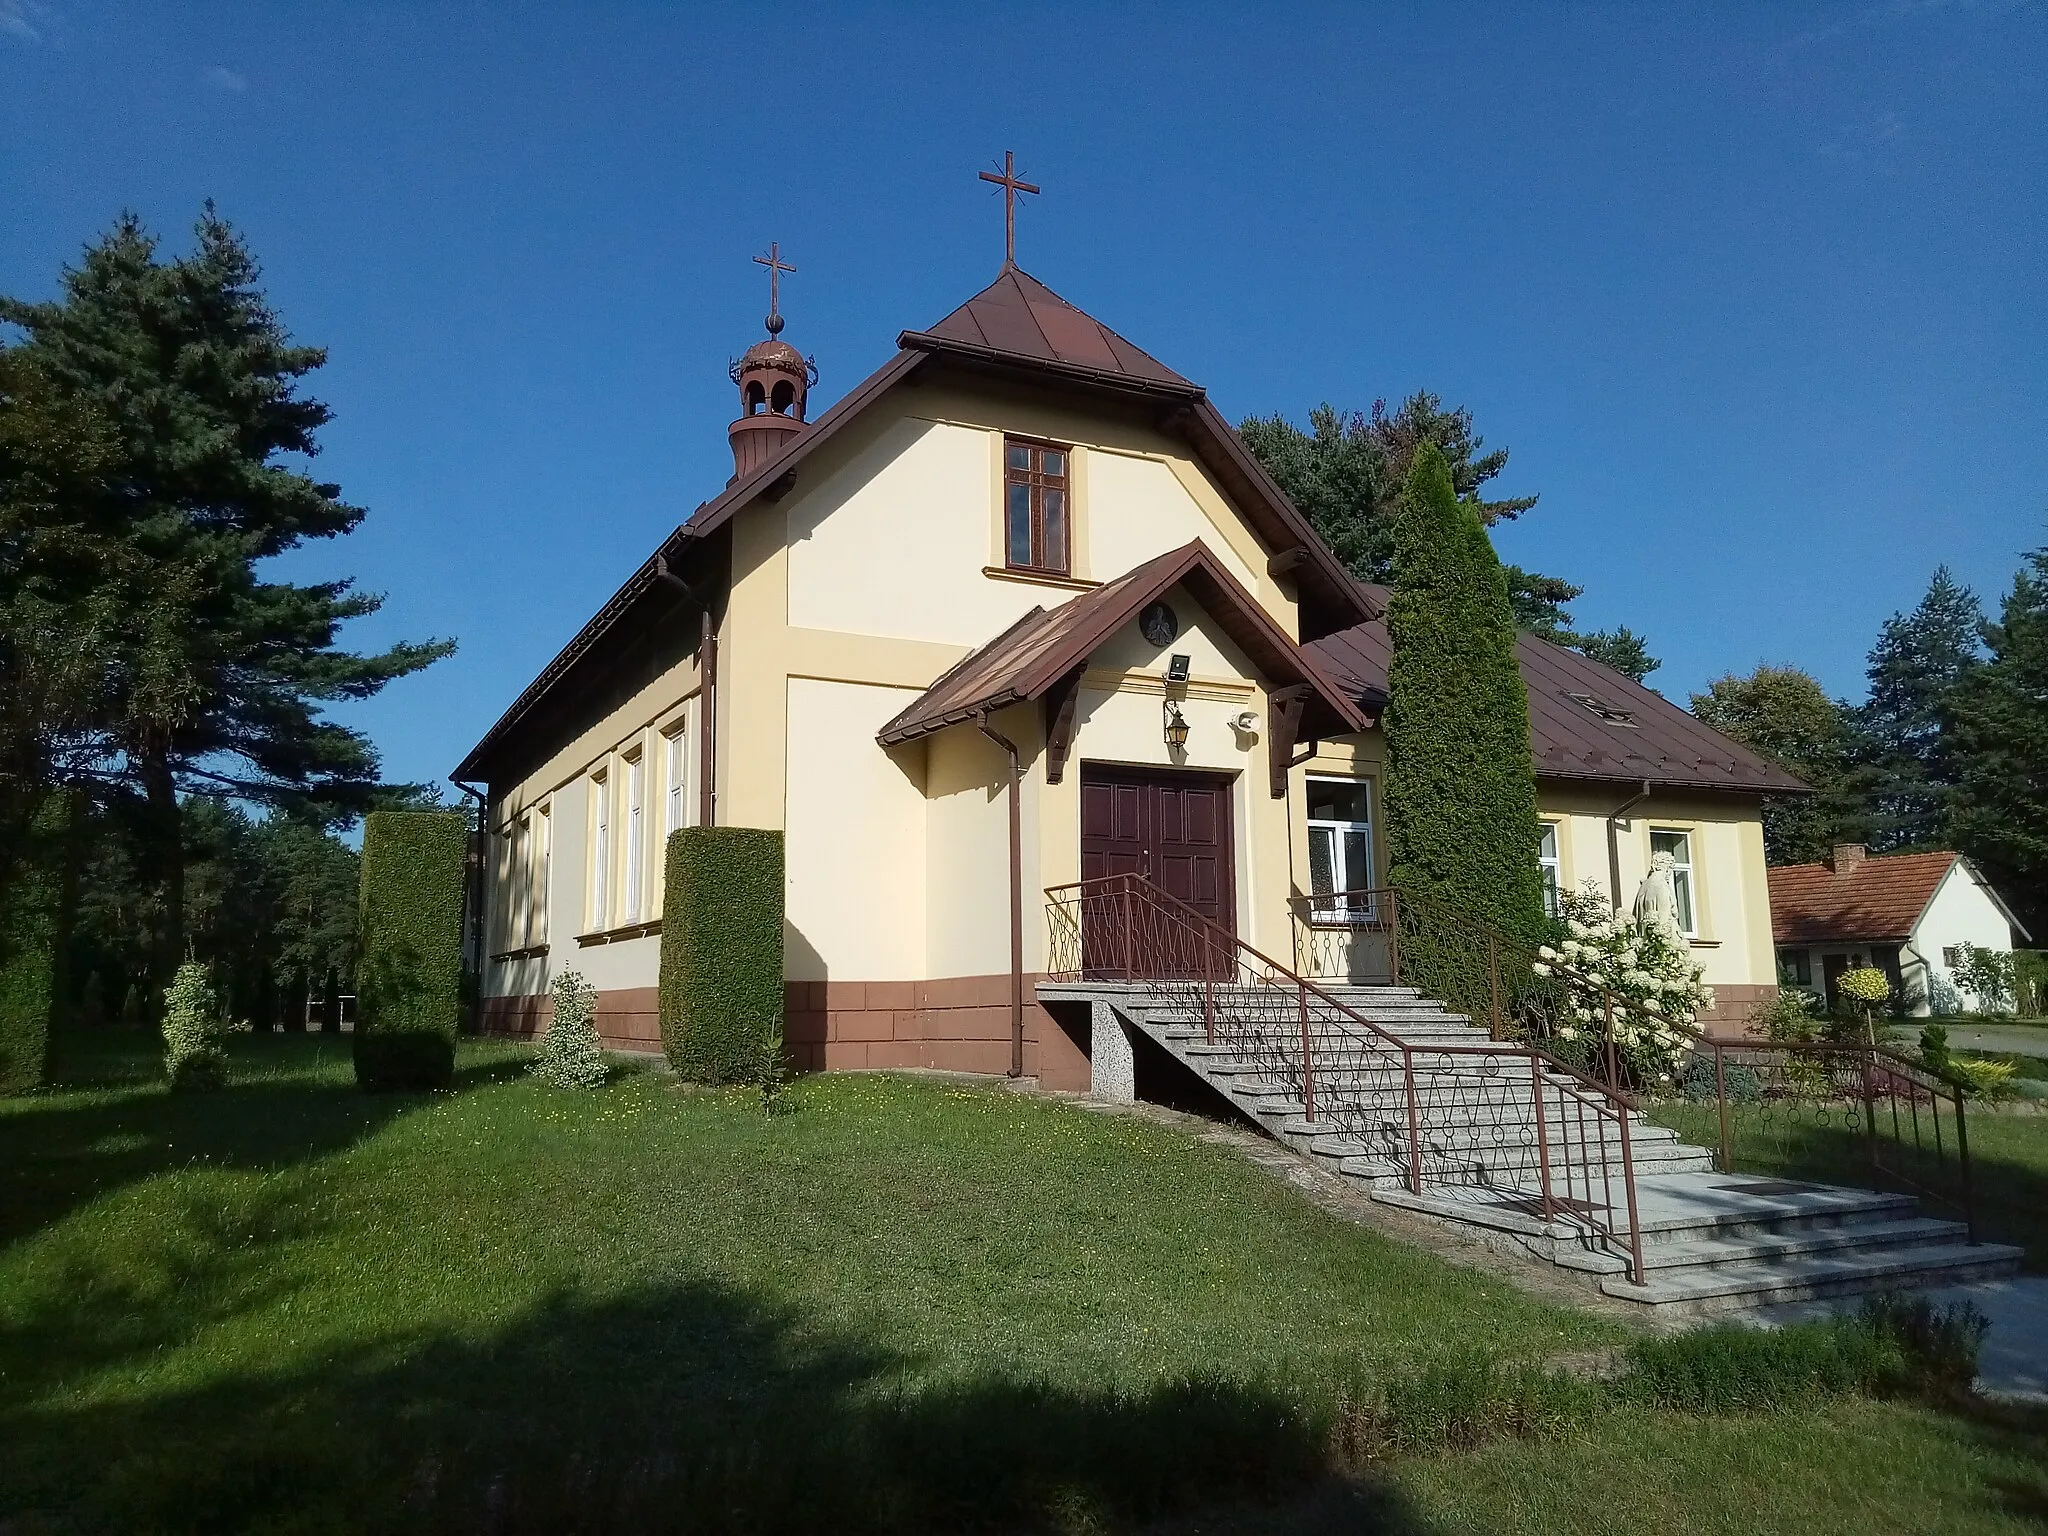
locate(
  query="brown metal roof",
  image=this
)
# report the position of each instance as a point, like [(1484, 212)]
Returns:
[(1042, 647), (1873, 899), (1017, 317), (1654, 739)]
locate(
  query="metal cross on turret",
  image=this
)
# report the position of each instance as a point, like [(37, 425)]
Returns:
[(1011, 186), (776, 267)]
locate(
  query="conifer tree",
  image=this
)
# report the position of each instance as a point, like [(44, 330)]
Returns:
[(218, 672), (1997, 720), (1461, 791), (1918, 659)]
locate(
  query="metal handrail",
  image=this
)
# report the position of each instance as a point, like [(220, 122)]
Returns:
[(1605, 1100)]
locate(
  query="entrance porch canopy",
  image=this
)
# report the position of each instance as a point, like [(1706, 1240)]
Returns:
[(1043, 655)]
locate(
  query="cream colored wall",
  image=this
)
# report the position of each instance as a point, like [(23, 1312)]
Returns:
[(898, 530), (856, 837), (967, 845), (1734, 946), (856, 592), (561, 785), (1733, 897)]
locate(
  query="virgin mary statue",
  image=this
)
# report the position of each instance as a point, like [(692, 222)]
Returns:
[(1657, 897)]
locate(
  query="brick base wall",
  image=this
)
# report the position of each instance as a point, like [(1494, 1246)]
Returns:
[(958, 1024), (1732, 1004)]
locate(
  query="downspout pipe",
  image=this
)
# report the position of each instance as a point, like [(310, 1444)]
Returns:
[(1618, 815), (707, 693), (479, 852), (1016, 891)]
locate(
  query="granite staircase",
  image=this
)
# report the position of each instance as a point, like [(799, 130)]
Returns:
[(1469, 1147)]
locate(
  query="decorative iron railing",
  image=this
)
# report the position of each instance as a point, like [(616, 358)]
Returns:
[(1503, 1119), (1851, 1111)]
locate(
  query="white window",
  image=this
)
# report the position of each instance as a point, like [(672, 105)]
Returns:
[(542, 839), (676, 764), (1679, 846), (1553, 870), (600, 851), (516, 935), (1340, 846), (636, 840)]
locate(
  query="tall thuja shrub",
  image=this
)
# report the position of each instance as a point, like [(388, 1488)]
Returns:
[(721, 954), (409, 976), (195, 1057), (1461, 789)]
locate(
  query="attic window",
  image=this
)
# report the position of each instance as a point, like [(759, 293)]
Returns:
[(1035, 506), (1611, 713)]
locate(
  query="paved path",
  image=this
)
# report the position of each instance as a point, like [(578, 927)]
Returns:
[(2014, 1361), (2007, 1039)]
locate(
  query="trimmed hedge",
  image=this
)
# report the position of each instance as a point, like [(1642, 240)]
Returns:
[(28, 957), (721, 954), (409, 978), (1461, 789)]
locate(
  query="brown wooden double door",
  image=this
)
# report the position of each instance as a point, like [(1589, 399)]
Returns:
[(1175, 830)]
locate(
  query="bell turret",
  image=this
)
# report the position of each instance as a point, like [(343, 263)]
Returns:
[(774, 381)]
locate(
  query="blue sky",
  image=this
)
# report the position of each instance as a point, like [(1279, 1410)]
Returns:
[(1755, 293)]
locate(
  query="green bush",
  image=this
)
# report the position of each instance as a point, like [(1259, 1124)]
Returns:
[(409, 977), (28, 956), (27, 976), (1700, 1086), (1460, 786), (195, 1059), (570, 1055), (721, 954)]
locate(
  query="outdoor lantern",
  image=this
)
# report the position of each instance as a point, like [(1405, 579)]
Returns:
[(1176, 726)]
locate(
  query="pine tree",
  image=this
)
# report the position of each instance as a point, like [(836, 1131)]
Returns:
[(1918, 659), (1996, 716), (1461, 792), (1784, 715), (220, 673)]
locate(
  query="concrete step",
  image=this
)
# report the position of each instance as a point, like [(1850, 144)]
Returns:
[(1778, 1247), (1735, 1286)]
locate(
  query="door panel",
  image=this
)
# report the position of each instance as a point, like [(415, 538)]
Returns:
[(1173, 829)]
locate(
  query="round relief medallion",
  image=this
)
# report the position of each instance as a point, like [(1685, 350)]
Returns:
[(1159, 624)]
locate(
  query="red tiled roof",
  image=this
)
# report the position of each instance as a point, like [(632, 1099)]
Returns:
[(1656, 740), (1026, 659), (1872, 900)]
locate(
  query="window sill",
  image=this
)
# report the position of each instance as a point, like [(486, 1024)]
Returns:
[(528, 952), (1704, 943), (620, 935), (1039, 578)]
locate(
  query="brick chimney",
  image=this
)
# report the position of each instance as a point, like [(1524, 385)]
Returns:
[(1846, 857)]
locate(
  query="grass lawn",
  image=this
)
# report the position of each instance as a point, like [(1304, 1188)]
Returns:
[(2008, 1162), (903, 1305)]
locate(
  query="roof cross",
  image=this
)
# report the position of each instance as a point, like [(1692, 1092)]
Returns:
[(776, 267), (1011, 187)]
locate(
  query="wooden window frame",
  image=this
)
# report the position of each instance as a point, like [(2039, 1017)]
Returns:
[(1038, 482)]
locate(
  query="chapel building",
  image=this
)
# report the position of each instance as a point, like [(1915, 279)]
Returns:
[(1021, 609)]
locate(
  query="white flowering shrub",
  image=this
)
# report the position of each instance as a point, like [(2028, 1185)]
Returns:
[(1649, 973)]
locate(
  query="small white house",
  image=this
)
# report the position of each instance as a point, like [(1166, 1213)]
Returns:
[(1909, 914)]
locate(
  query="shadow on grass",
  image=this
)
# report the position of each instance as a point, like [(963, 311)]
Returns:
[(681, 1408), (289, 1100)]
